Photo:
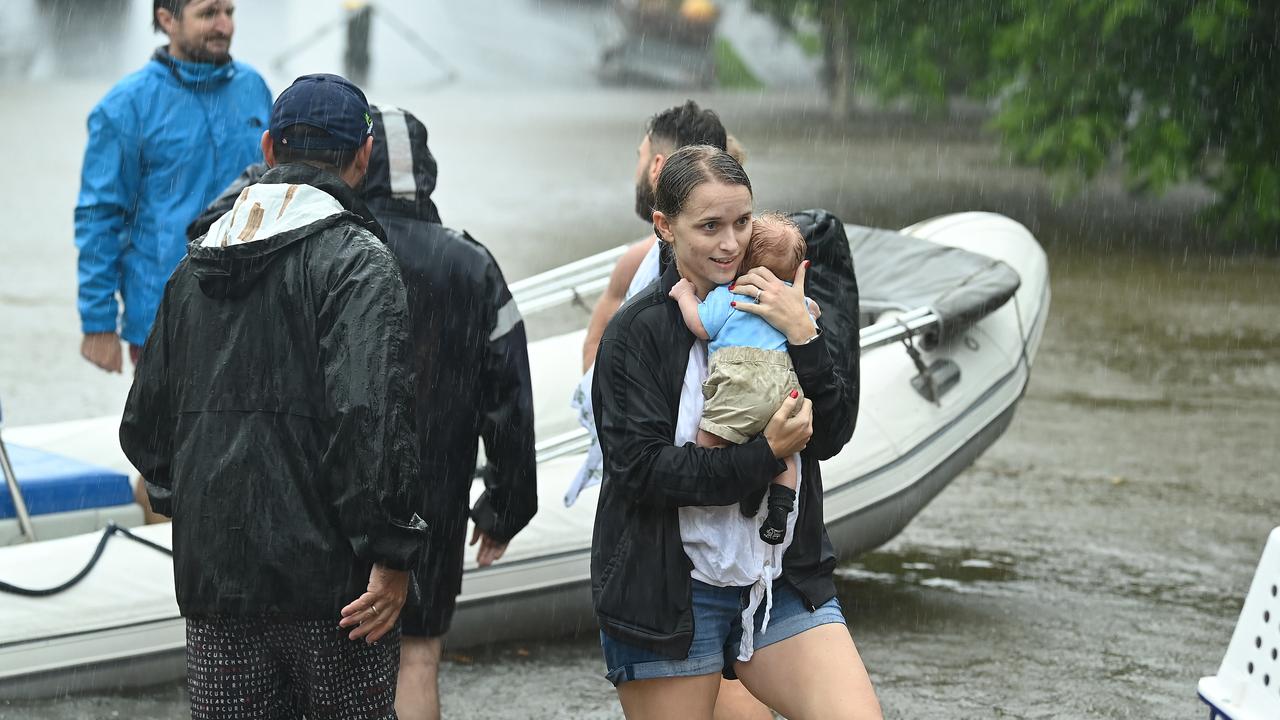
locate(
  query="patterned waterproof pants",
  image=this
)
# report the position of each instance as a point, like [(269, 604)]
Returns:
[(270, 668)]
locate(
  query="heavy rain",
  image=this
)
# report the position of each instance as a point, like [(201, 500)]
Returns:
[(1090, 561)]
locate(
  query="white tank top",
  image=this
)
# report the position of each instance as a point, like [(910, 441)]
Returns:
[(725, 547), (647, 271)]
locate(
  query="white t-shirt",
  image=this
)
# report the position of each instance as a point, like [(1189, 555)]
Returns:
[(725, 547)]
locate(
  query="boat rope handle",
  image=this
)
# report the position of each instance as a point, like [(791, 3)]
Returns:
[(107, 532), (908, 342)]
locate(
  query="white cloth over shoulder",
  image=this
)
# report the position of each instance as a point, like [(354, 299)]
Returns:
[(592, 469), (267, 210), (725, 547)]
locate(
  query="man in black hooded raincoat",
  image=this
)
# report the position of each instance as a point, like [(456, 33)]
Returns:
[(271, 415), (470, 355)]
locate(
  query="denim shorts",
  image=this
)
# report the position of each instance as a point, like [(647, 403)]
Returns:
[(717, 632)]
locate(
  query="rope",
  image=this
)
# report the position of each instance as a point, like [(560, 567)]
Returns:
[(421, 45), (401, 28), (107, 532), (1022, 335)]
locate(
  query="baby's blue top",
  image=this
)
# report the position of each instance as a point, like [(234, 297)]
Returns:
[(727, 326)]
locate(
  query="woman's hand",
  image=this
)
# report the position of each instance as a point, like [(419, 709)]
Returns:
[(781, 306), (790, 428)]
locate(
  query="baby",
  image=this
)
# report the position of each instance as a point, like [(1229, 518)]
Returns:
[(750, 371)]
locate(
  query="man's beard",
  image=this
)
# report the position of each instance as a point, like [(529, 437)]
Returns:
[(644, 200), (198, 53)]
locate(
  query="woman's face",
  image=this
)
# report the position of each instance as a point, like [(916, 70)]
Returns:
[(710, 234)]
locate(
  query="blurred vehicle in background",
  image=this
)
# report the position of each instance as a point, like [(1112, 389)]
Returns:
[(665, 43)]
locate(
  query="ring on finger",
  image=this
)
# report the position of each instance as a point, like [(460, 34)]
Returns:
[(759, 292), (373, 608)]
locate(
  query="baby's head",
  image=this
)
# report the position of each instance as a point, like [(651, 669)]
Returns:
[(776, 243)]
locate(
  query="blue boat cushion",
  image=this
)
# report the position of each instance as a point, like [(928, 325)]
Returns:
[(52, 483)]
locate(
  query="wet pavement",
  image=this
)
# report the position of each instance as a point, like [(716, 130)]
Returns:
[(1090, 565)]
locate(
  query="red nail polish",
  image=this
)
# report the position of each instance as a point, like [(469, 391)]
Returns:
[(733, 303), (795, 394), (731, 285), (806, 264)]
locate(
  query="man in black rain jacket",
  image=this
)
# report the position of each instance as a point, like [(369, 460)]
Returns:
[(271, 417), (471, 359)]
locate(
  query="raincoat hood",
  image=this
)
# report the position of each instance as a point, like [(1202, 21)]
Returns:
[(195, 74), (291, 203), (402, 170), (831, 281)]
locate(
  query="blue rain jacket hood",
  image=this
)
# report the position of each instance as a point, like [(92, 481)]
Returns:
[(162, 144)]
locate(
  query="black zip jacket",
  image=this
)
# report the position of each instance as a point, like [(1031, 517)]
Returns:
[(271, 413), (470, 356), (640, 579), (470, 352), (472, 362)]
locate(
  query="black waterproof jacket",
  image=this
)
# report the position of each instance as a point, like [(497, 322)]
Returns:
[(470, 350), (271, 413), (640, 578)]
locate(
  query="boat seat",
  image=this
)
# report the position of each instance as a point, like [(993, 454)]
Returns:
[(56, 484), (65, 497), (1247, 686)]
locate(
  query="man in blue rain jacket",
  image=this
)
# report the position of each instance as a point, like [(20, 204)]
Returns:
[(162, 144)]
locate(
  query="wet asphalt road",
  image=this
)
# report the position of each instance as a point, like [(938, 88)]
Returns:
[(1090, 565)]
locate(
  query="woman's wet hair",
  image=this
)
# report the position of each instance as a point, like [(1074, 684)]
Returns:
[(689, 167), (776, 243)]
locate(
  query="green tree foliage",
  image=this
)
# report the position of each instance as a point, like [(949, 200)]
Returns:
[(919, 50), (1176, 90)]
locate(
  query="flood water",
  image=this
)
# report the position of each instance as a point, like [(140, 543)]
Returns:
[(1090, 565)]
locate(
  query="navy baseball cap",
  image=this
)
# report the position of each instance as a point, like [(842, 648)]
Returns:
[(328, 102)]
